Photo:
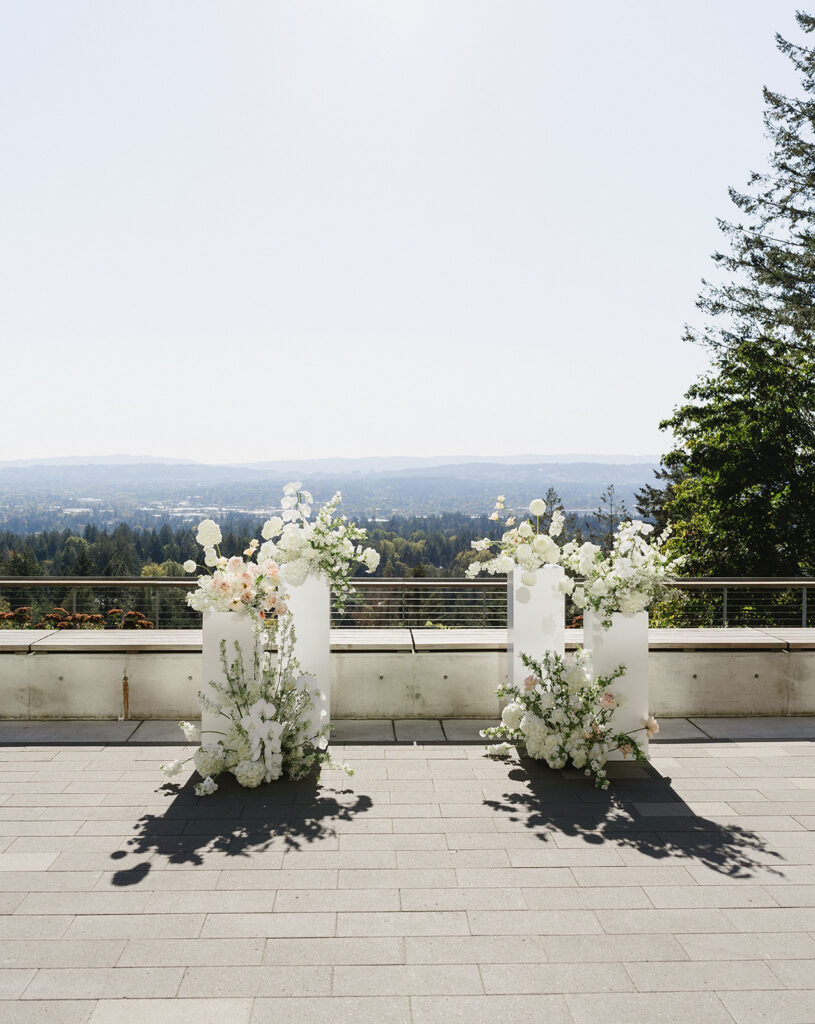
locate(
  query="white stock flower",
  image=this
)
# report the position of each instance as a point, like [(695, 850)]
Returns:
[(190, 731), (172, 768), (210, 557), (207, 787), (537, 507)]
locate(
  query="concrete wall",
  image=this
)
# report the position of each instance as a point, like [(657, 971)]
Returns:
[(396, 684)]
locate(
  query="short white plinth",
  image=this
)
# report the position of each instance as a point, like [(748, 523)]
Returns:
[(310, 604), (625, 642), (234, 628), (536, 619)]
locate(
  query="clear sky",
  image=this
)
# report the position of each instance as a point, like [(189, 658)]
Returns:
[(254, 230)]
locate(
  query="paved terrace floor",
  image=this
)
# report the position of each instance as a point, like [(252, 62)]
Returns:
[(435, 885)]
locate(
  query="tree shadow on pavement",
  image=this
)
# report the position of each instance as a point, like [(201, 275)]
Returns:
[(639, 811), (239, 822)]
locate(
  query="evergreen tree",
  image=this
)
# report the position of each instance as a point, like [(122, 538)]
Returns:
[(768, 294), (740, 481)]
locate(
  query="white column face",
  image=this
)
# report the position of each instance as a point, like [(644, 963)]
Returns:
[(536, 618), (625, 642), (311, 606), (233, 628)]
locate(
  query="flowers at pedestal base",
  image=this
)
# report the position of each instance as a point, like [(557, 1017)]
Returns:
[(561, 715)]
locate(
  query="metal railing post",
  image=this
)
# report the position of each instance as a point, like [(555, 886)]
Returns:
[(724, 606), (803, 607), (156, 605)]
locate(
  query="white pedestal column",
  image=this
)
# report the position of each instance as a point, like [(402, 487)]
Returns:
[(625, 642), (536, 619), (233, 628), (310, 604)]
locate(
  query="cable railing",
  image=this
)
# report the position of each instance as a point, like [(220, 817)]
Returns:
[(51, 602)]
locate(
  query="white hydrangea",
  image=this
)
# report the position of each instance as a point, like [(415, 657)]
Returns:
[(511, 715), (209, 534), (209, 759), (249, 773)]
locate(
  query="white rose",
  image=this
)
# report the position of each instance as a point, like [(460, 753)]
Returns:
[(565, 585), (545, 548), (370, 556), (525, 530), (296, 572), (209, 534), (271, 528), (523, 553), (190, 566), (505, 563)]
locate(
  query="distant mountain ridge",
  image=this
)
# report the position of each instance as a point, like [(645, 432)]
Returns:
[(366, 464)]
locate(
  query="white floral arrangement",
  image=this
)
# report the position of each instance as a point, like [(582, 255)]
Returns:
[(629, 579), (526, 545), (274, 721), (328, 545), (561, 715), (294, 548)]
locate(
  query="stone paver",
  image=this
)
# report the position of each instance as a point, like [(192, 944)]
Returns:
[(433, 885)]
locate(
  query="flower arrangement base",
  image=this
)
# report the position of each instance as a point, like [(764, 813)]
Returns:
[(233, 628), (310, 603), (536, 618), (625, 642)]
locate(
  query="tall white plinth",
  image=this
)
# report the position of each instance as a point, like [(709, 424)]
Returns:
[(536, 619), (625, 642), (232, 627), (310, 604)]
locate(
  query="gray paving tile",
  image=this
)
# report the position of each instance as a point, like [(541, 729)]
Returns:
[(417, 729), (104, 982), (756, 728), (191, 952), (58, 953), (334, 951), (175, 1011), (408, 979), (720, 976), (769, 1007), (466, 730), (644, 1008), (267, 980), (488, 1009), (509, 978), (363, 731), (14, 981), (359, 1009), (54, 1011)]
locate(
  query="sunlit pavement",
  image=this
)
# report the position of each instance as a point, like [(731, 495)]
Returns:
[(433, 885)]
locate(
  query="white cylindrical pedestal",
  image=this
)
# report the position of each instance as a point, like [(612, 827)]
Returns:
[(536, 619), (310, 604), (625, 642), (232, 627)]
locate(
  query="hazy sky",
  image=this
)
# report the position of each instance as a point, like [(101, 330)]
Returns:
[(252, 230)]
